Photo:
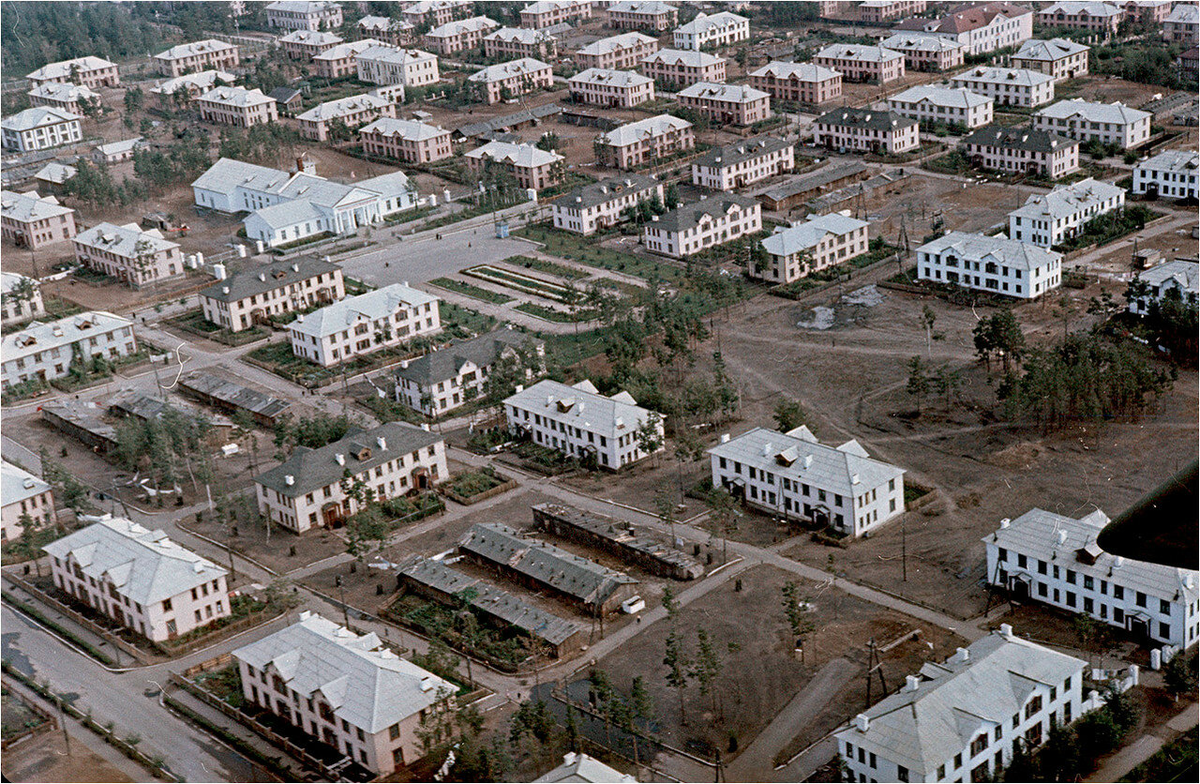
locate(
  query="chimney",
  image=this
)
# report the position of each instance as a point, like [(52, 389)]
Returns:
[(289, 480), (1118, 562), (766, 450), (262, 277), (569, 758), (427, 684), (340, 458), (962, 655), (1004, 523), (224, 289), (855, 479), (808, 461), (1062, 537), (29, 483), (295, 268), (862, 722), (1006, 631), (198, 567), (724, 438), (382, 443), (912, 683)]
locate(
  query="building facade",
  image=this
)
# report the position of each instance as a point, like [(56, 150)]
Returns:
[(353, 111), (1008, 86), (32, 221), (602, 87), (981, 27), (435, 13), (617, 52), (880, 11), (745, 163), (1059, 57), (726, 104), (1182, 25), (818, 242), (27, 501), (304, 45), (1170, 174), (1107, 123), (1029, 150), (643, 15), (406, 140), (41, 352), (506, 81), (69, 97), (926, 51), (342, 60), (548, 13), (1012, 268), (40, 128), (601, 205), (1179, 278), (798, 82), (711, 31), (645, 141), (532, 167), (867, 130), (249, 297), (93, 72), (207, 55), (454, 375), (712, 221), (1049, 219), (20, 298), (237, 106), (388, 65), (179, 92), (943, 106), (355, 326), (304, 15), (128, 253), (858, 63), (513, 42), (459, 36), (678, 68), (1095, 17)]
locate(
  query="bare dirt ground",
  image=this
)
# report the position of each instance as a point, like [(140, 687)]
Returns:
[(1110, 89), (44, 758)]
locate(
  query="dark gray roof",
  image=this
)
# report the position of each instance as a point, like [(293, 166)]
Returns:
[(871, 119), (444, 364), (814, 180), (587, 581), (687, 216), (312, 469), (621, 533), (508, 121), (234, 394), (1029, 139), (599, 192), (492, 601), (283, 94), (273, 276), (733, 154), (143, 406)]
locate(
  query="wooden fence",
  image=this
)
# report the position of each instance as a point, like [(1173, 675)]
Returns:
[(87, 623)]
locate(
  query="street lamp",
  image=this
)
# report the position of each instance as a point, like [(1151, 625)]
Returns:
[(337, 580)]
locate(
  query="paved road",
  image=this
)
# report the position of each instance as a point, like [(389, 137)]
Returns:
[(1146, 746)]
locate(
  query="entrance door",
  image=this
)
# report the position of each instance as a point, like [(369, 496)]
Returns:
[(332, 516)]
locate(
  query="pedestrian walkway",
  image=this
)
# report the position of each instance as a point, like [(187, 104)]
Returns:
[(1147, 746)]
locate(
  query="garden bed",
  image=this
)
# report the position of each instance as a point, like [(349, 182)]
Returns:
[(548, 267), (467, 290), (194, 322), (585, 250), (550, 314), (471, 487), (526, 284)]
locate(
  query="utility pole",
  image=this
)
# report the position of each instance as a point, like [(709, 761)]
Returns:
[(903, 552), (62, 720), (874, 664), (342, 597)]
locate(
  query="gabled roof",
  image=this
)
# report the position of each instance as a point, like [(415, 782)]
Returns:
[(733, 154), (582, 768), (1049, 51), (1013, 254), (61, 70), (258, 280), (614, 42), (1184, 13), (1028, 139), (55, 173), (1178, 161), (520, 155), (445, 363), (859, 53), (383, 24), (301, 6), (227, 174), (957, 97), (393, 54), (372, 306), (195, 48), (343, 106), (802, 236), (967, 18), (460, 26), (916, 42), (691, 215), (1183, 273), (871, 119), (233, 394), (364, 682), (1066, 200), (641, 7), (38, 336), (236, 96), (735, 93), (38, 117), (582, 405), (1093, 111), (117, 148), (610, 76), (705, 22), (63, 91), (650, 127), (311, 38), (410, 130), (18, 484), (348, 49), (143, 565), (801, 72), (693, 58), (1021, 76), (201, 80), (521, 35), (507, 70), (1077, 7), (124, 240), (26, 207)]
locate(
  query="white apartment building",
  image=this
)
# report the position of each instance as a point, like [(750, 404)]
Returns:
[(454, 375), (44, 351), (617, 52), (711, 30), (858, 63), (998, 265), (600, 205), (811, 245), (342, 60), (128, 253), (1048, 219), (1170, 174), (580, 422), (139, 578), (883, 11), (799, 82), (867, 130), (1004, 148), (795, 476), (32, 221), (712, 221), (1059, 57), (677, 68), (642, 15), (435, 13), (69, 97), (943, 105), (311, 489), (1054, 559), (608, 88), (962, 719), (354, 326), (1009, 86), (645, 141), (249, 297), (1180, 277), (982, 27), (926, 51), (520, 42), (390, 65), (88, 71), (210, 54), (191, 85), (1108, 123), (406, 140), (24, 495), (40, 128), (744, 163), (726, 104), (20, 298), (353, 111), (304, 45), (532, 167), (460, 36), (505, 81), (237, 106), (348, 691), (304, 15), (548, 13)]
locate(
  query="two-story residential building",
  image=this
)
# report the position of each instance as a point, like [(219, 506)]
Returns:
[(40, 128), (1100, 18), (1054, 559), (1009, 149), (454, 375), (726, 104), (608, 88), (41, 352), (208, 55), (644, 141), (248, 298), (505, 81), (797, 82), (20, 298), (867, 130), (139, 578), (460, 36), (678, 68), (1179, 278), (926, 51), (600, 205), (744, 163), (347, 691), (354, 326), (711, 221), (965, 718), (317, 487), (795, 476), (580, 422), (1170, 174), (69, 97), (342, 59), (353, 111), (881, 11), (179, 92), (1182, 25), (435, 13), (1107, 123), (1008, 86), (389, 65), (711, 31), (1060, 58), (981, 27), (27, 501), (304, 15), (617, 52), (548, 13), (1014, 268), (395, 32), (93, 72), (237, 106), (32, 221), (811, 245), (406, 140), (858, 63), (304, 45), (934, 106), (1047, 219), (642, 15), (1152, 12), (129, 253), (532, 167), (513, 42)]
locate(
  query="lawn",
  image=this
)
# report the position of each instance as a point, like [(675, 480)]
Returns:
[(550, 314), (575, 247), (467, 290), (548, 267), (465, 486), (521, 282)]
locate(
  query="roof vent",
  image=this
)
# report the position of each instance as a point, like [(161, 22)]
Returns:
[(855, 479), (1062, 537), (198, 567), (962, 655), (766, 450), (724, 438), (262, 276), (295, 268), (1006, 631), (1118, 562), (29, 483), (224, 289), (427, 684), (289, 480), (912, 683), (808, 461), (862, 722), (382, 442), (340, 458), (1004, 523)]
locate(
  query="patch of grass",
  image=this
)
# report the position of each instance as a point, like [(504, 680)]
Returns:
[(459, 322), (548, 267), (468, 290), (225, 683), (584, 250), (472, 483), (194, 322), (550, 314), (523, 283)]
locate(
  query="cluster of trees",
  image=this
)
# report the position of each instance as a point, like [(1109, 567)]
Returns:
[(1140, 63), (1170, 321), (94, 184), (924, 379), (182, 161), (313, 431), (262, 144), (38, 33), (168, 449), (999, 337)]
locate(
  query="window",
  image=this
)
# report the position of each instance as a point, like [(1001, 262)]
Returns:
[(901, 773), (1033, 707), (1164, 607), (166, 605), (1140, 599)]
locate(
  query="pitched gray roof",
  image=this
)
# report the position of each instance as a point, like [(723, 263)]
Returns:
[(688, 216), (18, 484), (144, 565), (1067, 200), (508, 121), (1048, 51), (871, 119), (650, 127), (312, 469), (445, 363), (234, 394), (612, 416), (1028, 139), (124, 240), (1019, 76), (37, 117), (620, 533), (1184, 272), (1003, 251), (259, 280), (957, 97), (814, 180), (600, 192), (735, 93), (733, 154), (803, 72), (585, 580), (858, 53), (801, 236), (26, 207), (365, 683), (372, 306), (1094, 111)]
